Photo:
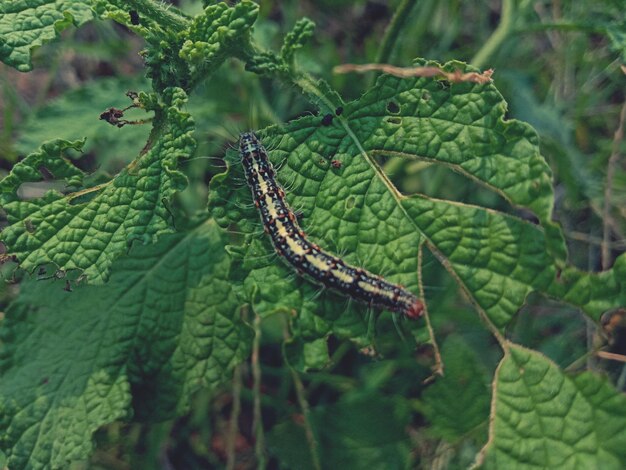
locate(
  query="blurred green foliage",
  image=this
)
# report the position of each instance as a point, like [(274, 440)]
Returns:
[(557, 64)]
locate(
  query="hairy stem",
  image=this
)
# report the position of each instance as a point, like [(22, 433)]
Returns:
[(164, 16)]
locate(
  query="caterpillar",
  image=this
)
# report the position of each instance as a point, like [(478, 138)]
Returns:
[(307, 258)]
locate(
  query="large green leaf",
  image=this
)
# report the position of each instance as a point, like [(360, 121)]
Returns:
[(544, 418), (27, 24), (496, 258), (165, 324), (72, 233)]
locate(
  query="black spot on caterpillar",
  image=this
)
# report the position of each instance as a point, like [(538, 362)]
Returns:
[(306, 257)]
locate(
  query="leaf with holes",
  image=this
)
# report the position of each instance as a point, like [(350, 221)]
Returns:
[(90, 226), (165, 324), (352, 208)]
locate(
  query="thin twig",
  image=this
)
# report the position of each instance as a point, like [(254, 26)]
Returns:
[(233, 424), (494, 41), (304, 406), (610, 173), (438, 368), (406, 72), (257, 424), (611, 356), (591, 240), (399, 20)]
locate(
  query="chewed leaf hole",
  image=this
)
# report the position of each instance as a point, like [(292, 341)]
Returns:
[(350, 202), (394, 120), (30, 227), (393, 107)]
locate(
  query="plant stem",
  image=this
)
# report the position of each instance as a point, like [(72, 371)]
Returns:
[(234, 419), (259, 445), (308, 429), (310, 87), (498, 36), (608, 190), (398, 22), (304, 406), (163, 16), (438, 368)]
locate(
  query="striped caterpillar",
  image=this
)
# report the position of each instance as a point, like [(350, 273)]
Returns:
[(307, 258)]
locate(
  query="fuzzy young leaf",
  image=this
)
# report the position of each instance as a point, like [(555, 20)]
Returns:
[(352, 208), (547, 419), (164, 325), (297, 38), (182, 51), (88, 236), (26, 25), (218, 33)]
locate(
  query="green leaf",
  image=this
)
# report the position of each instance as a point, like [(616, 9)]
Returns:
[(72, 234), (220, 32), (496, 258), (363, 432), (297, 38), (76, 114), (25, 25), (544, 418), (164, 325), (452, 414), (306, 355)]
